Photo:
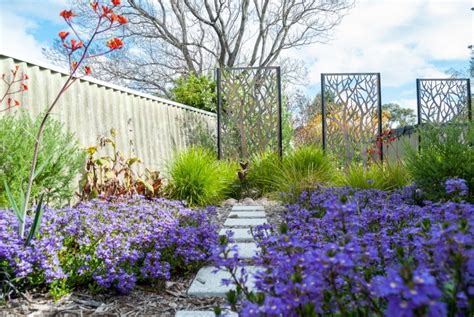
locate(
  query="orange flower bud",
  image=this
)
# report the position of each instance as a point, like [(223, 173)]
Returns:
[(94, 5), (116, 2), (76, 45), (115, 43), (106, 10), (17, 103), (63, 35), (23, 87), (121, 19), (67, 14)]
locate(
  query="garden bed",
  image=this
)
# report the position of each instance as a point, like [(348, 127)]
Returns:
[(163, 299)]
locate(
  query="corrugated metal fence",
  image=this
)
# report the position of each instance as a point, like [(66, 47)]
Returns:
[(148, 127)]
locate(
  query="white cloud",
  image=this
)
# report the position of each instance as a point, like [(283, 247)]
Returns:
[(17, 21), (15, 38), (402, 39)]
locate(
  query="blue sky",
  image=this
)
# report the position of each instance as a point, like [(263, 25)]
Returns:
[(402, 39)]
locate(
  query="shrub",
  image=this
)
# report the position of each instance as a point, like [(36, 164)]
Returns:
[(197, 177), (195, 91), (305, 168), (107, 245), (347, 252), (261, 176), (113, 176), (386, 176), (302, 169), (60, 155), (445, 152)]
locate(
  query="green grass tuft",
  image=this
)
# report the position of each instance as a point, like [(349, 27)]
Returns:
[(197, 177)]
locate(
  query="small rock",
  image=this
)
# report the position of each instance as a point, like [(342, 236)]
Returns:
[(248, 201), (101, 309), (229, 202)]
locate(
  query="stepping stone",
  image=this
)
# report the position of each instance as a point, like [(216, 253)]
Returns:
[(240, 234), (209, 284), (245, 250), (247, 214), (243, 222), (247, 208), (203, 313)]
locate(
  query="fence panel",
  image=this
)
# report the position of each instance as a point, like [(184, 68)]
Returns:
[(351, 115), (443, 100), (249, 111)]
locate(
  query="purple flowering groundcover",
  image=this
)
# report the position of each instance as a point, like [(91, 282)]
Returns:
[(106, 245), (347, 252)]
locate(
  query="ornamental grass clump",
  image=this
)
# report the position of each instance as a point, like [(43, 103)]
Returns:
[(304, 169), (107, 245), (386, 176), (197, 177), (348, 252)]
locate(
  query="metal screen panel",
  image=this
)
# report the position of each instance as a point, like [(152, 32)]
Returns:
[(249, 111), (352, 115), (443, 100)]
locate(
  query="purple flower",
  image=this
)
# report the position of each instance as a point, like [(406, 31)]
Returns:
[(112, 244), (456, 186), (342, 251)]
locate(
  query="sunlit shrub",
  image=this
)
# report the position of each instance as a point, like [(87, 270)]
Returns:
[(446, 151), (196, 176), (60, 157)]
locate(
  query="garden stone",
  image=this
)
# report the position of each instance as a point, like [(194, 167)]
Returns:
[(243, 222), (203, 313), (248, 208), (247, 214), (245, 250), (209, 284), (248, 201), (229, 202), (240, 234)]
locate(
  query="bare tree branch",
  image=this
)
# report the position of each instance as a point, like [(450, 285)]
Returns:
[(169, 38)]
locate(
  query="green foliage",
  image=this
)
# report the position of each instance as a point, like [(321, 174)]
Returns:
[(387, 176), (304, 169), (195, 91), (398, 116), (261, 173), (199, 178), (59, 161), (300, 170), (445, 152)]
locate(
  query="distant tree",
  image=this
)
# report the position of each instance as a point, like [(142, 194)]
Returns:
[(195, 91), (398, 116)]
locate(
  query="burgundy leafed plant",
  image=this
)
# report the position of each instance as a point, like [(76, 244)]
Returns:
[(77, 48)]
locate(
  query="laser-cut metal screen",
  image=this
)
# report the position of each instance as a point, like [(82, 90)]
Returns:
[(249, 111), (352, 115), (443, 100)]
